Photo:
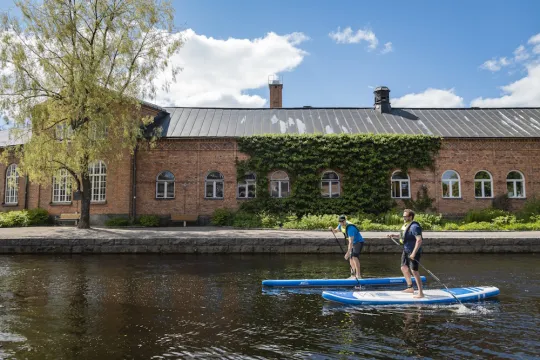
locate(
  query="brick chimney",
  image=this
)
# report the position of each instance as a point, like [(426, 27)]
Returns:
[(276, 91), (382, 100)]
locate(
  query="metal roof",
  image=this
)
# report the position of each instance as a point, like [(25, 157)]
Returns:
[(458, 123)]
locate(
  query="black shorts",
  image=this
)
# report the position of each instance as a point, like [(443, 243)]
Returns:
[(357, 249), (411, 264)]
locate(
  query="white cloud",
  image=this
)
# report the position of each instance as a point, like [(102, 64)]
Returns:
[(523, 92), (218, 72), (535, 39), (387, 48), (347, 36), (520, 53), (536, 49), (495, 64), (440, 98)]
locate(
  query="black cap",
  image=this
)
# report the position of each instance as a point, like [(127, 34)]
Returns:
[(342, 218)]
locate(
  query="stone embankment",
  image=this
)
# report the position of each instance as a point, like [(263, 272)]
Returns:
[(194, 240)]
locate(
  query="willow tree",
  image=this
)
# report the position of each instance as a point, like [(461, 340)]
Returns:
[(72, 76)]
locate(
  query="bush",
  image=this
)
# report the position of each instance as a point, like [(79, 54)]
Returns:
[(149, 220), (117, 222), (484, 215), (391, 218), (530, 208), (246, 220), (268, 220), (428, 221), (504, 220), (501, 202), (222, 217), (38, 216), (482, 225)]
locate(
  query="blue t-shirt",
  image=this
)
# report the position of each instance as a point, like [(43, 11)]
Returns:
[(352, 232), (409, 238)]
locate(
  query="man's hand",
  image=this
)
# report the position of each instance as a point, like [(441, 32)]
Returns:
[(412, 256)]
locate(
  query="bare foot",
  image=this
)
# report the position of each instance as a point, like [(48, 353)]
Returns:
[(418, 296), (408, 290)]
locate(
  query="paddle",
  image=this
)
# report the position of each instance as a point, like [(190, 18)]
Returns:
[(343, 251), (430, 273)]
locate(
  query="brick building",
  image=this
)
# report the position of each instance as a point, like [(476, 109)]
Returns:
[(485, 153)]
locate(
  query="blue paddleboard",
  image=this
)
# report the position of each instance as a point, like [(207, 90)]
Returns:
[(337, 282), (435, 296)]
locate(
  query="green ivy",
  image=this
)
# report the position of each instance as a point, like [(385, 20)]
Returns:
[(364, 162)]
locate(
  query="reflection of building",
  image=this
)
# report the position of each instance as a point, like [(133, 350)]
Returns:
[(192, 170)]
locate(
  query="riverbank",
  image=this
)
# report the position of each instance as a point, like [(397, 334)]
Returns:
[(228, 240)]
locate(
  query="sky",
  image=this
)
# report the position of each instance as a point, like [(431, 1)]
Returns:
[(333, 54)]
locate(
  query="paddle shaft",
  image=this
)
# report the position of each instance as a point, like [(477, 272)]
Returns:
[(430, 273), (343, 251)]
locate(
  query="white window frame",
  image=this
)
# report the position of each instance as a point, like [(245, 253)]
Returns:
[(331, 184), (274, 180), (62, 191), (245, 183), (214, 183), (514, 183), (166, 183), (482, 185), (98, 180), (11, 196), (450, 182), (400, 182)]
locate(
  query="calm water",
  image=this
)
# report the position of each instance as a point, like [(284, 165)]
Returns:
[(213, 306)]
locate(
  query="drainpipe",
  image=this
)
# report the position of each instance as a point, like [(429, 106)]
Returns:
[(26, 193), (134, 185)]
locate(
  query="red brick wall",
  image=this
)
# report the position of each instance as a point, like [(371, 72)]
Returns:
[(190, 160)]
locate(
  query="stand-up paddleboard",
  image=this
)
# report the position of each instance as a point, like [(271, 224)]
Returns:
[(337, 282), (435, 296)]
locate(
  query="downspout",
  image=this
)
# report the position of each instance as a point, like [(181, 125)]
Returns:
[(26, 193), (134, 185)]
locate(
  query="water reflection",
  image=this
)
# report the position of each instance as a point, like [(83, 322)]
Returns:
[(176, 306)]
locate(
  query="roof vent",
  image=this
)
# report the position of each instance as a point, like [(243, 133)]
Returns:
[(382, 100)]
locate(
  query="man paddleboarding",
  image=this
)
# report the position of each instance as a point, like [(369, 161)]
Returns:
[(356, 242), (411, 238)]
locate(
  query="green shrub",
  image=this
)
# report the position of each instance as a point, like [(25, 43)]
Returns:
[(269, 220), (449, 226), (428, 221), (117, 222), (222, 217), (504, 220), (246, 220), (501, 202), (530, 208), (484, 215), (391, 218), (149, 220), (482, 225), (14, 218), (38, 216)]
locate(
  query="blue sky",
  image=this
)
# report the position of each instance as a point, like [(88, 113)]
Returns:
[(461, 50)]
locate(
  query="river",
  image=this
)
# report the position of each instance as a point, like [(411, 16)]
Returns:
[(213, 306)]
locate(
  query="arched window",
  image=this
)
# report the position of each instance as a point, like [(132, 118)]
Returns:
[(330, 185), (279, 184), (12, 185), (515, 184), (246, 187), (62, 187), (165, 185), (451, 187), (483, 185), (213, 185), (401, 185), (98, 179)]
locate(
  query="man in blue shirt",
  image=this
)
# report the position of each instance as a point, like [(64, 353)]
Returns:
[(411, 239), (356, 242)]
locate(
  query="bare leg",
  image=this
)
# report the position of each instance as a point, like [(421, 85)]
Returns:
[(355, 265), (419, 284), (407, 274)]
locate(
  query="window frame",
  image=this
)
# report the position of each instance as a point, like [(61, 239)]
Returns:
[(12, 185), (101, 178), (279, 182), (166, 186), (330, 183), (246, 183), (515, 181), (63, 178), (214, 183), (482, 182), (400, 181), (450, 185)]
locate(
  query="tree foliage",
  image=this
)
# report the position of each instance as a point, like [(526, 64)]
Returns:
[(364, 161), (74, 72)]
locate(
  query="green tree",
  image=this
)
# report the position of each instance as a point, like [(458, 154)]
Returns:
[(72, 73)]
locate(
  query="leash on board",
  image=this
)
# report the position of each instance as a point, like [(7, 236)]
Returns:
[(343, 251), (430, 273)]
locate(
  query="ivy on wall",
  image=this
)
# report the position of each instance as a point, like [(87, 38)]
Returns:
[(364, 162)]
